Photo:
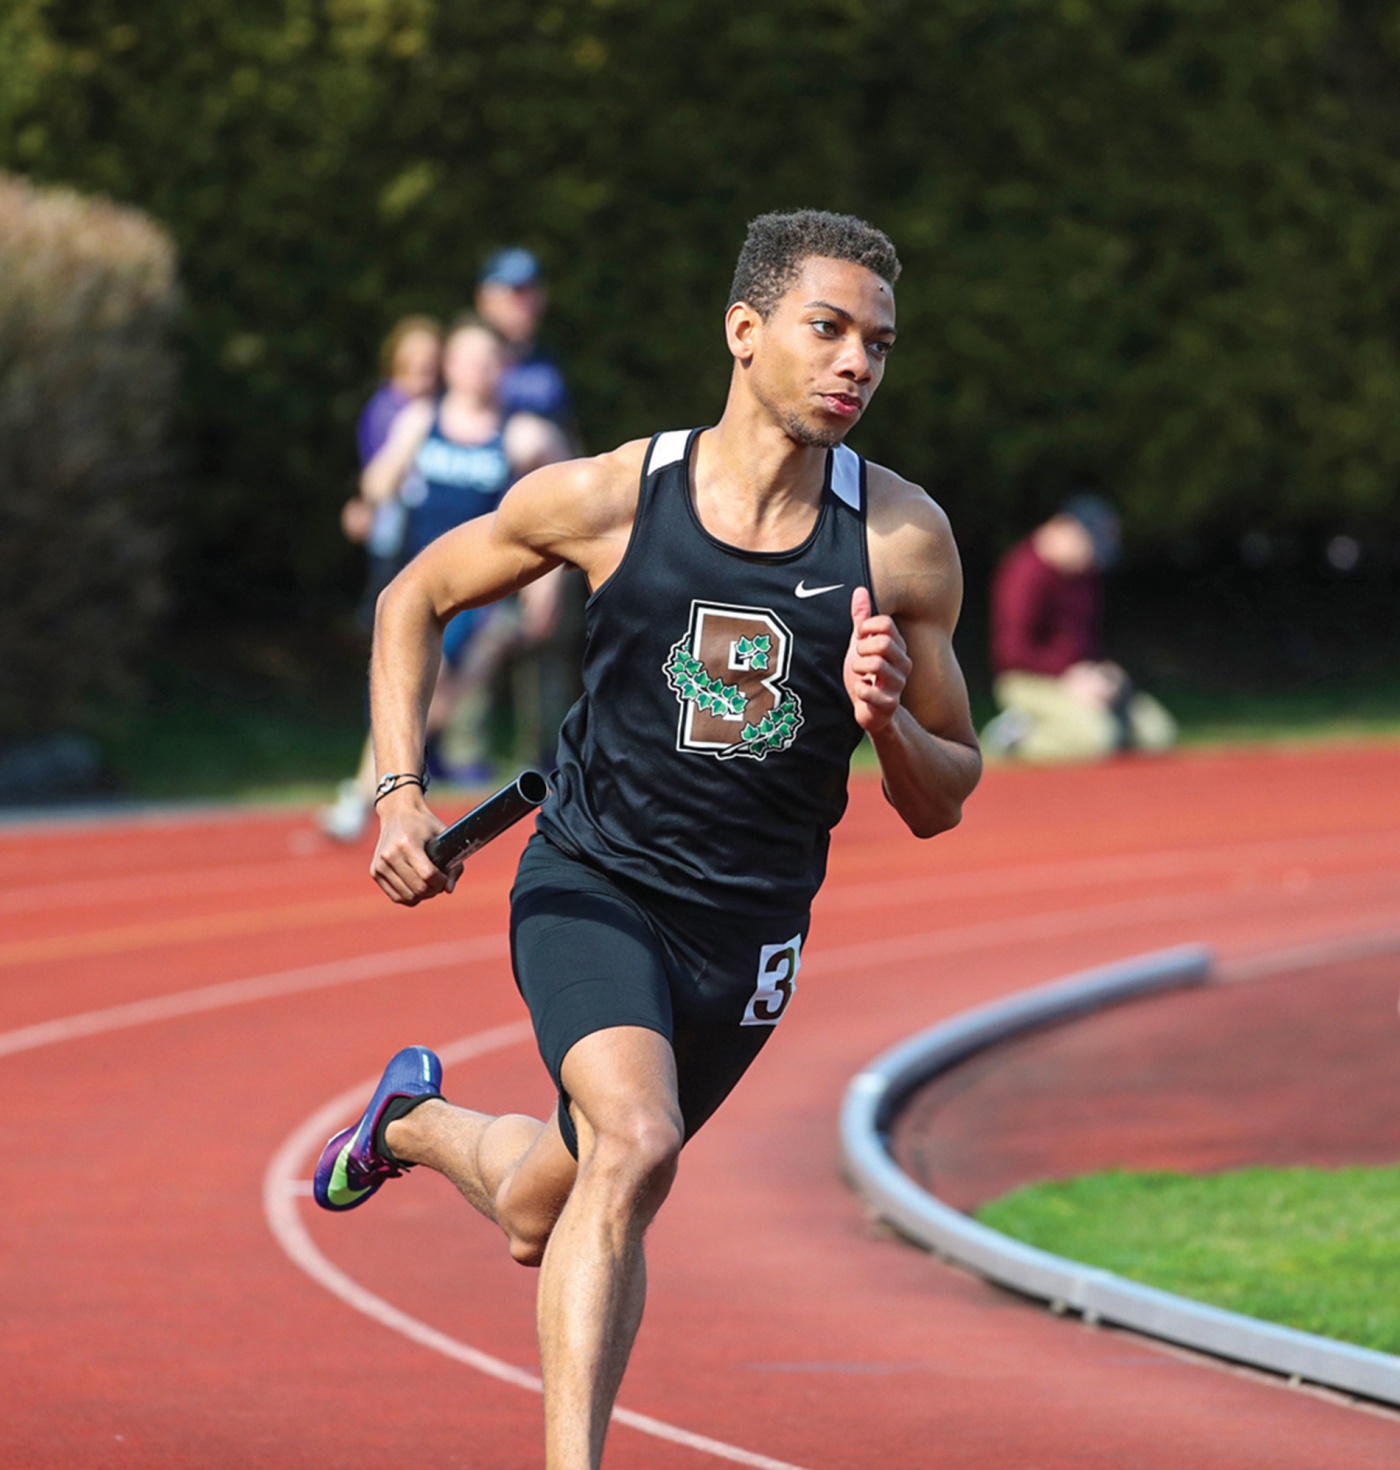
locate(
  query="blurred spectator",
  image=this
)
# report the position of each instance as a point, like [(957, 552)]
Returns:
[(511, 296), (1060, 698), (447, 463), (511, 299), (410, 360)]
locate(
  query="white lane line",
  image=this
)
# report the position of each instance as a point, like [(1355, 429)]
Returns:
[(1241, 861), (841, 893), (108, 820), (1060, 923), (995, 933), (160, 884), (243, 992), (1304, 956), (283, 1185)]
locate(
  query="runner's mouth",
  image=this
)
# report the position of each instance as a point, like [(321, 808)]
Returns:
[(842, 404)]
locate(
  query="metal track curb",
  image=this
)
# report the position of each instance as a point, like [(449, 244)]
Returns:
[(875, 1094)]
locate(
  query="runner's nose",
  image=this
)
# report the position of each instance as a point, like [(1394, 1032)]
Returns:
[(854, 363)]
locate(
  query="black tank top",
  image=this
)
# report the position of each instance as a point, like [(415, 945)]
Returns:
[(707, 760)]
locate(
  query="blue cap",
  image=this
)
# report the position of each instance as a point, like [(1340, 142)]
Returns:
[(1100, 520), (514, 267)]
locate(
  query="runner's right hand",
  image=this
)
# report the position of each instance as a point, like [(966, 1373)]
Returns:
[(401, 867)]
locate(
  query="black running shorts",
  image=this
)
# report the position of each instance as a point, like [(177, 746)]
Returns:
[(590, 953)]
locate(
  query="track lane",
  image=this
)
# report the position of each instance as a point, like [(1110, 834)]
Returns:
[(775, 1321), (282, 1188)]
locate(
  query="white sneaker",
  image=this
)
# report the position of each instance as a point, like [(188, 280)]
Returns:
[(345, 820), (1002, 734)]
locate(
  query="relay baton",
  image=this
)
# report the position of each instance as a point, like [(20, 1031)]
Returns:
[(486, 822)]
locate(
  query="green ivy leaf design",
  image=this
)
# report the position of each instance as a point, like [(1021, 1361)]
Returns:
[(693, 684)]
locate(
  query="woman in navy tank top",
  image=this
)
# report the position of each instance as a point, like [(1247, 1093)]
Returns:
[(448, 462)]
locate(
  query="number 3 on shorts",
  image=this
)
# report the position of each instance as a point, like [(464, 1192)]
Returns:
[(777, 979)]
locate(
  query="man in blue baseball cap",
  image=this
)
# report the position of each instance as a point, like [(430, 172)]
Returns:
[(511, 299)]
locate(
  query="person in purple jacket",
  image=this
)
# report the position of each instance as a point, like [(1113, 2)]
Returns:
[(1060, 698), (411, 359)]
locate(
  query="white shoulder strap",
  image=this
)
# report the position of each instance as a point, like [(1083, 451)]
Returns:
[(666, 449), (845, 476)]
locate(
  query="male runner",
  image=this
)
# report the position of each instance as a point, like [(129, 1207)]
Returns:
[(761, 598)]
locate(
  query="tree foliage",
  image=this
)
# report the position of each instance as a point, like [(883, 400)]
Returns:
[(87, 373), (1143, 239)]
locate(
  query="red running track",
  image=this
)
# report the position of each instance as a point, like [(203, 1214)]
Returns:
[(1300, 1067), (183, 997)]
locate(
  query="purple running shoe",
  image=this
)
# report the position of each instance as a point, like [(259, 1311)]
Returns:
[(351, 1167)]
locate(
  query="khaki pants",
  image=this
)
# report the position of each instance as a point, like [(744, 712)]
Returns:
[(1063, 729)]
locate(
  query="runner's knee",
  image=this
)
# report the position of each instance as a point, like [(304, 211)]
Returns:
[(636, 1154), (631, 1164)]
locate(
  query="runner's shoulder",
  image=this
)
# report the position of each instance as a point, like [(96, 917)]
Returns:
[(898, 507), (913, 555), (589, 496)]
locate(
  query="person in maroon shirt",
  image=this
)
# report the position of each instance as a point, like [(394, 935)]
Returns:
[(1060, 698)]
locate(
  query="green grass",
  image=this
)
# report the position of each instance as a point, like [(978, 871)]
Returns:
[(254, 718), (262, 722), (1325, 710), (1316, 1249), (1345, 710), (200, 737), (211, 749)]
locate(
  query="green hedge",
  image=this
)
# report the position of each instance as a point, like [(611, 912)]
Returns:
[(1148, 241), (87, 295)]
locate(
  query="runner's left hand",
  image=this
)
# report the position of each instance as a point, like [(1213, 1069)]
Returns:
[(877, 665)]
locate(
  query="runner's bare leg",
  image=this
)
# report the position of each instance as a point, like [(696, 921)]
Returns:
[(593, 1282), (517, 1172), (512, 1169)]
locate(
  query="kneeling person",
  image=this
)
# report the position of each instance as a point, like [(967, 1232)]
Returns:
[(1060, 698)]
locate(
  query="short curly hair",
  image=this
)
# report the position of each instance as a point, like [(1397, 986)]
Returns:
[(777, 244)]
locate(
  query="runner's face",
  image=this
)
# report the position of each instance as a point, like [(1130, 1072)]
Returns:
[(818, 359)]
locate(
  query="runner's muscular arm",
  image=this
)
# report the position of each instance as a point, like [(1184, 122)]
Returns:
[(901, 673), (580, 512), (531, 442)]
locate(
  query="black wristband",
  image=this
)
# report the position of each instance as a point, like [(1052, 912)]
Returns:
[(395, 779)]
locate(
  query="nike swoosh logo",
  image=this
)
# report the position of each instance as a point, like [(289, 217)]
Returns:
[(339, 1191), (803, 590)]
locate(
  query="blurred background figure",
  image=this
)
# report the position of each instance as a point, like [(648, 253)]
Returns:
[(411, 361), (512, 297), (1059, 698), (447, 462)]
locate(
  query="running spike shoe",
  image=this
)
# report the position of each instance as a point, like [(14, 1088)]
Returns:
[(352, 1165)]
